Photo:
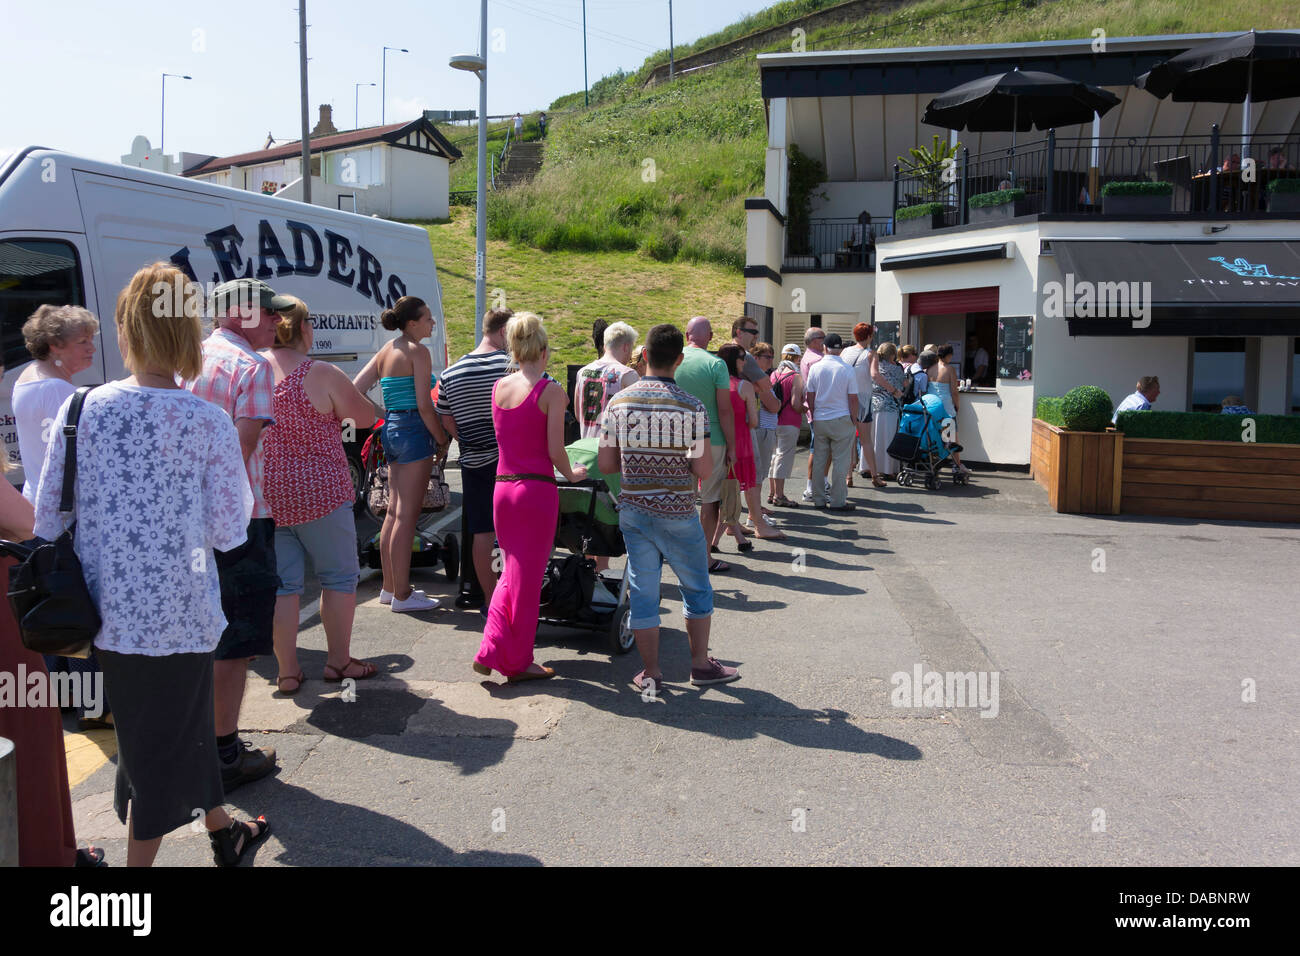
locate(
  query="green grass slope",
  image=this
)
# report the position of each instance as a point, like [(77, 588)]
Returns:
[(663, 171)]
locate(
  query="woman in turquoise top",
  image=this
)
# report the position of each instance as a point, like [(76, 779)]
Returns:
[(412, 435)]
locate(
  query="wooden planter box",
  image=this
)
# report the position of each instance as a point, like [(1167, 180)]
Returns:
[(1227, 480), (1080, 470)]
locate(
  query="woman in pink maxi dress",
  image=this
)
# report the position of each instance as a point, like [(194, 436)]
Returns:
[(525, 508)]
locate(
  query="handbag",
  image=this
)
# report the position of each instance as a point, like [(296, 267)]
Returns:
[(47, 588), (729, 504), (376, 492)]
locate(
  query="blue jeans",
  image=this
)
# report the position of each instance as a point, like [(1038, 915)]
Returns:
[(652, 539)]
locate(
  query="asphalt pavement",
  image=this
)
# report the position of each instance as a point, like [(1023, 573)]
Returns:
[(1131, 688)]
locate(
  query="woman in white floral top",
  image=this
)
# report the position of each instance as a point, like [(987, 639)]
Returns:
[(160, 483)]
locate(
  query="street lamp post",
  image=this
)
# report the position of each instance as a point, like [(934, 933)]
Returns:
[(478, 66), (356, 104), (162, 134), (383, 79)]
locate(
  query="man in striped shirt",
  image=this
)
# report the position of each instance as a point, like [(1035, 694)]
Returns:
[(657, 435), (465, 407)]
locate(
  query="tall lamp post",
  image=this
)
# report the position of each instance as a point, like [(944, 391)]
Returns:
[(162, 134), (356, 104), (383, 79), (478, 66)]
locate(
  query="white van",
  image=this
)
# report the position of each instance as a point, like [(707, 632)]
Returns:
[(73, 231)]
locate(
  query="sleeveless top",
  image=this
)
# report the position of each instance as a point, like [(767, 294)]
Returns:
[(399, 392), (307, 473), (521, 435), (740, 412)]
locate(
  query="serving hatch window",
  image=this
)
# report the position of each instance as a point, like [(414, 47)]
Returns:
[(33, 272)]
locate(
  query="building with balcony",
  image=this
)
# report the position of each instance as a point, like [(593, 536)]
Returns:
[(1064, 285)]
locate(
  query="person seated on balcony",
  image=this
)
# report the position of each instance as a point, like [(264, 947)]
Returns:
[(862, 241), (1148, 390), (1005, 184), (1232, 163), (1235, 405), (1277, 158)]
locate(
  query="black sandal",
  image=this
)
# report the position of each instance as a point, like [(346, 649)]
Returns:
[(231, 844), (90, 856)]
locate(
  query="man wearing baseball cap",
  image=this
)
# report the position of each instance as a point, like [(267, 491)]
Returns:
[(832, 397), (239, 380)]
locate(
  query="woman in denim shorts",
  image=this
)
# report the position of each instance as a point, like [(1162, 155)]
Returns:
[(412, 435)]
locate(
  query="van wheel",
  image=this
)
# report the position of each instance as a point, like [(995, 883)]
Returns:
[(357, 472)]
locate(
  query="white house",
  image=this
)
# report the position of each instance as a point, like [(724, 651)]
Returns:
[(398, 171), (1214, 275)]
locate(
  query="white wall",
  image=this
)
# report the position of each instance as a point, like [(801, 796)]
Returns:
[(1275, 355), (846, 200), (419, 185), (838, 292), (324, 194)]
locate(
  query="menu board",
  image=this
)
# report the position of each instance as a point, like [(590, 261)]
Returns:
[(887, 331), (1015, 346)]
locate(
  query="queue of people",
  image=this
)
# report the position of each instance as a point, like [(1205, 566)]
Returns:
[(215, 471)]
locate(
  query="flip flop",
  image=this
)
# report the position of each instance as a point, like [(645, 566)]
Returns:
[(718, 567), (745, 546)]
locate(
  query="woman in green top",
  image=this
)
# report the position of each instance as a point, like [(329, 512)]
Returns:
[(412, 435)]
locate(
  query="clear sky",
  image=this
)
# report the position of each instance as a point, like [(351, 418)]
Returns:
[(85, 75)]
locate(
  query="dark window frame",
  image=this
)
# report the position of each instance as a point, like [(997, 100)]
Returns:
[(15, 355)]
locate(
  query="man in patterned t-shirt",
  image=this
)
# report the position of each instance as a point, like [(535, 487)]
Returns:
[(657, 436)]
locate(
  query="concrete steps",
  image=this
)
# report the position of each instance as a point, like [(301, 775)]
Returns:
[(522, 164)]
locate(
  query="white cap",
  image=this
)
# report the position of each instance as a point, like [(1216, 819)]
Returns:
[(792, 349)]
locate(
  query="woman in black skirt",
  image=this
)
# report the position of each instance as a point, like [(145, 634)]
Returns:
[(160, 483)]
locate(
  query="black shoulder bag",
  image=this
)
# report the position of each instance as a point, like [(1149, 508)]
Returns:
[(47, 588)]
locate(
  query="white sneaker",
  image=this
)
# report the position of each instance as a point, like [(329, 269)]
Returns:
[(385, 597), (807, 493), (418, 601)]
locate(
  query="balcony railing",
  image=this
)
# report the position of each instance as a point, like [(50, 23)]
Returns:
[(1210, 176), (833, 245)]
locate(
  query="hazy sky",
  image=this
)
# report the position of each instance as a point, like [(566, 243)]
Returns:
[(85, 76)]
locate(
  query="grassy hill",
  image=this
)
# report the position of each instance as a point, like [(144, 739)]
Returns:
[(704, 133)]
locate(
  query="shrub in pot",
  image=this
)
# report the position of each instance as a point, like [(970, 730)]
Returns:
[(996, 205), (1284, 195), (1136, 198), (912, 220), (1087, 409)]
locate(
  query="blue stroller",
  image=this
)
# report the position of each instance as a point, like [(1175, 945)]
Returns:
[(919, 445)]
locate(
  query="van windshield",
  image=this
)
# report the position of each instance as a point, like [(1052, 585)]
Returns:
[(33, 272)]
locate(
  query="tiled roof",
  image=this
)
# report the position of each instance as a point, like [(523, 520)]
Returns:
[(374, 134)]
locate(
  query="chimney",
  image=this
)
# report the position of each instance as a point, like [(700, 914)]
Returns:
[(326, 125)]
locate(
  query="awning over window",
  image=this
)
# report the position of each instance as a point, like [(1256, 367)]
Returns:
[(1115, 287)]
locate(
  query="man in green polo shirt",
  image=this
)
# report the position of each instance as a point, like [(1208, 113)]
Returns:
[(705, 376)]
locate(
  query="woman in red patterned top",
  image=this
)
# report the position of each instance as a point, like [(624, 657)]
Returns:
[(309, 489)]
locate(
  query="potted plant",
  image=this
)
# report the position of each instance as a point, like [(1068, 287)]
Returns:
[(998, 205), (1284, 195), (931, 172), (1136, 198), (1076, 456), (921, 218)]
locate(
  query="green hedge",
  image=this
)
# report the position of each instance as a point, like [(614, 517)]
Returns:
[(1290, 185), (1142, 188), (919, 210), (1049, 410), (1208, 426), (999, 197)]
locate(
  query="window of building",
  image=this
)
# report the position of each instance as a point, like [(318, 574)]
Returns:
[(356, 167), (1295, 378), (33, 272), (1224, 366)]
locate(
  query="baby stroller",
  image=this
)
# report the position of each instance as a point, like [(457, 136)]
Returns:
[(574, 594), (427, 549), (919, 445)]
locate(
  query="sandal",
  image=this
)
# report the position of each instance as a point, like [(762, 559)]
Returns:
[(784, 502), (367, 670), (90, 856), (879, 482), (299, 678), (718, 567), (544, 674), (231, 844)]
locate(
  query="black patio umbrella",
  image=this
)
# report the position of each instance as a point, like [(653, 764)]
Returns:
[(1258, 66), (1017, 102), (1251, 66)]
